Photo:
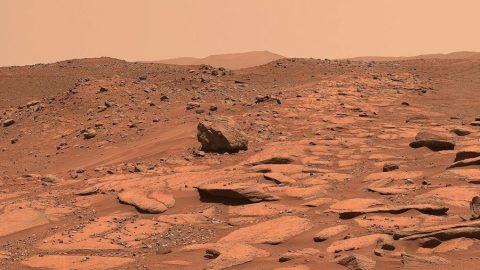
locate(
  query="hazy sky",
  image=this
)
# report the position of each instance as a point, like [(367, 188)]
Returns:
[(34, 31)]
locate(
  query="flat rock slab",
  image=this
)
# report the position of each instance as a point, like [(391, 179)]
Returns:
[(413, 260), (355, 203), (358, 242), (329, 232), (152, 203), (466, 162), (319, 202), (274, 231), (238, 190), (21, 219), (298, 254), (279, 178), (357, 262), (443, 232), (423, 208), (284, 153), (432, 141), (228, 254), (457, 244), (467, 153), (471, 175), (387, 222), (67, 262), (454, 195), (392, 187), (262, 209)]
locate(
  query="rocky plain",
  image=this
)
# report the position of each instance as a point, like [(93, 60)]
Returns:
[(295, 164)]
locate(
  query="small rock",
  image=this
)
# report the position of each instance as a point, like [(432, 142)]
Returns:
[(461, 132), (429, 242), (212, 253), (164, 97), (8, 122), (193, 105), (49, 179), (89, 134), (388, 167), (475, 207)]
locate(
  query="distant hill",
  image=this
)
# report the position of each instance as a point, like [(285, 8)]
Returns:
[(230, 61), (454, 55)]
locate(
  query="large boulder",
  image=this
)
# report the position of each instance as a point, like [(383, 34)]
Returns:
[(432, 141), (221, 134)]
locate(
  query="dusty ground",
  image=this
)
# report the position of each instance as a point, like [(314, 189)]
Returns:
[(66, 201)]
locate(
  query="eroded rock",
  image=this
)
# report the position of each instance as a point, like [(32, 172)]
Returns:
[(221, 134), (432, 141), (236, 190), (274, 231), (357, 262)]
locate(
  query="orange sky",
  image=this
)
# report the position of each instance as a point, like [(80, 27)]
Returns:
[(33, 31)]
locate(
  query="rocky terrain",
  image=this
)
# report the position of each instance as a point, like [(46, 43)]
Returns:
[(296, 164)]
